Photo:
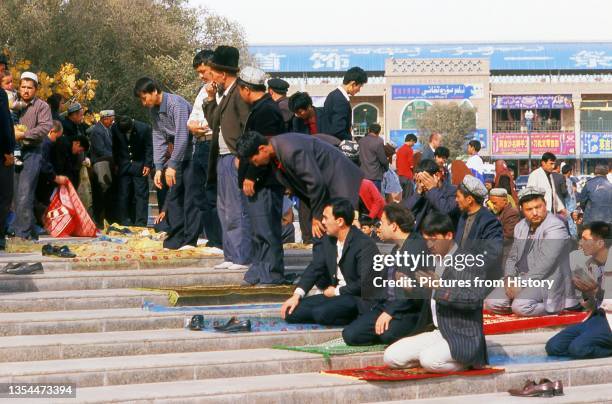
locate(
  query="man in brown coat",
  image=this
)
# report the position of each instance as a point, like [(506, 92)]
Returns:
[(507, 215)]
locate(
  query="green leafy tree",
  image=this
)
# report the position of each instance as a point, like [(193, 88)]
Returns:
[(117, 41), (455, 123)]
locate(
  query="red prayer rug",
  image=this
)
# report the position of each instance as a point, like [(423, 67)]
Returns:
[(506, 323), (387, 374)]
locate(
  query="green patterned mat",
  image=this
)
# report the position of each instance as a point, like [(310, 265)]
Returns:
[(334, 347)]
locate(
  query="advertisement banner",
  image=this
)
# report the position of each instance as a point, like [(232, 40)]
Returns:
[(597, 143), (532, 102), (436, 91), (508, 144)]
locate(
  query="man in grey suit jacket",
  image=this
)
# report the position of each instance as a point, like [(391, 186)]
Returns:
[(539, 253), (457, 341), (227, 114), (101, 151), (314, 170)]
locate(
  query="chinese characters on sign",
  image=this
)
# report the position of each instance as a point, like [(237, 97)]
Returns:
[(597, 143), (532, 101), (436, 91), (507, 144)]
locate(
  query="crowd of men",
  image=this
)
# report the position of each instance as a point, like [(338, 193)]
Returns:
[(223, 167)]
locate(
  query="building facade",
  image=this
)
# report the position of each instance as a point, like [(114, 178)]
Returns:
[(566, 87)]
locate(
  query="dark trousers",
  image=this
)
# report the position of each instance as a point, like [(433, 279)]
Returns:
[(6, 197), (181, 209), (362, 331), (102, 202), (265, 210), (318, 309), (407, 187), (231, 205), (305, 218), (378, 184), (26, 181), (206, 196), (590, 339), (132, 200)]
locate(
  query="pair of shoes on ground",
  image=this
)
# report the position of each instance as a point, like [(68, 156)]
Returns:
[(62, 252), (22, 268), (231, 266), (545, 388), (233, 325)]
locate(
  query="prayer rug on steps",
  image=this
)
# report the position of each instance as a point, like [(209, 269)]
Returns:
[(508, 323), (226, 293), (387, 374), (334, 347)]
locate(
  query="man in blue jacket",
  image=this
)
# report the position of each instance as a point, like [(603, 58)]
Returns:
[(596, 197)]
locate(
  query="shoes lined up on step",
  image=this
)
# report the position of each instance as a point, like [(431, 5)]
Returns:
[(22, 268), (233, 325), (62, 252), (545, 388)]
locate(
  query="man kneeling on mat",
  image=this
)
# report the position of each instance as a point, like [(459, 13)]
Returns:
[(399, 313), (341, 268), (457, 341)]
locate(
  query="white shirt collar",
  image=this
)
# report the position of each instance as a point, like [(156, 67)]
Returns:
[(343, 91)]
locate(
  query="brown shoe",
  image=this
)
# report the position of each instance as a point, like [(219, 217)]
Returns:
[(557, 386), (531, 389)]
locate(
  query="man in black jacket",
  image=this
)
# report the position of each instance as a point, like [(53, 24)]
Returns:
[(7, 146), (307, 119), (337, 106), (341, 268), (314, 170), (264, 194), (133, 158), (457, 341), (399, 314), (277, 88)]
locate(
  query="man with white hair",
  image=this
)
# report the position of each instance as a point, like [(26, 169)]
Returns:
[(35, 123)]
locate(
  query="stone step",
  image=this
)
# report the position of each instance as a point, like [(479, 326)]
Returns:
[(316, 387), (594, 393), (142, 278), (99, 371), (146, 342), (78, 300), (105, 320)]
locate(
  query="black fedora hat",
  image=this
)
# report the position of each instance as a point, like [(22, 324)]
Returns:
[(225, 58)]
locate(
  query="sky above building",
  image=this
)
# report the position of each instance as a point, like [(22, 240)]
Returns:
[(410, 21)]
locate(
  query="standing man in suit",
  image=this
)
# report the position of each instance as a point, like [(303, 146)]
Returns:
[(341, 268), (133, 153), (457, 341), (372, 158), (540, 252), (277, 88), (397, 314), (7, 168), (314, 170), (101, 142), (205, 192), (227, 113), (308, 119), (264, 193), (478, 230), (169, 114), (435, 141), (337, 106)]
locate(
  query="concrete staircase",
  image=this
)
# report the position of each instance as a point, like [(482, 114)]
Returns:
[(87, 327)]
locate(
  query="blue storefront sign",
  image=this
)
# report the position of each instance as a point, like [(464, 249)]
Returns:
[(596, 144), (481, 136), (436, 92)]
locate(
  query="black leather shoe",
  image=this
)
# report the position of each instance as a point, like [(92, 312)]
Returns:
[(25, 269), (62, 252), (235, 325), (11, 266), (197, 322)]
